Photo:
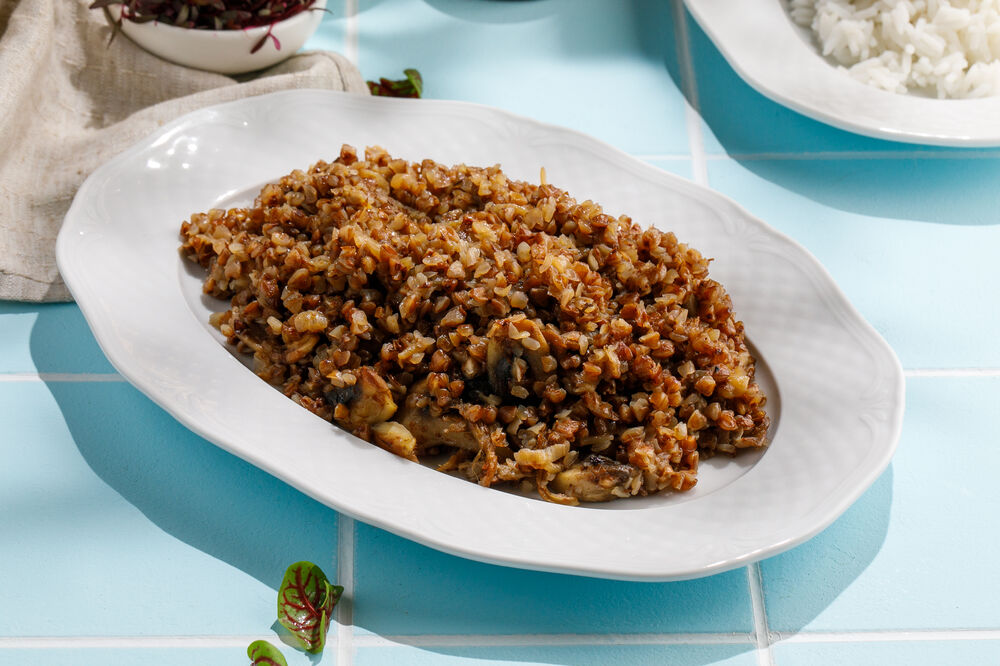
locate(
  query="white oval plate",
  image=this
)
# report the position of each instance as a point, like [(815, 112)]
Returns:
[(778, 59), (835, 387)]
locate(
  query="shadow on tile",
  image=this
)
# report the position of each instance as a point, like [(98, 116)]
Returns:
[(406, 589), (599, 70), (496, 11), (65, 345), (238, 514), (953, 192), (865, 175), (937, 190), (651, 23), (741, 120), (193, 490), (800, 584), (576, 655), (188, 487)]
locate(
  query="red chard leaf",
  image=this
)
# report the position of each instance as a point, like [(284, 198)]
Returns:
[(416, 81), (411, 86), (305, 604), (262, 653)]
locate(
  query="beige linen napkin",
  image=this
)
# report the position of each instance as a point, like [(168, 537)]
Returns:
[(69, 102)]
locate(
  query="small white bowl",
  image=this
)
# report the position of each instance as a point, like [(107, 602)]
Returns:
[(224, 51)]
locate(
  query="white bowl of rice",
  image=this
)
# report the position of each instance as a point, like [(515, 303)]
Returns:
[(946, 49), (917, 71)]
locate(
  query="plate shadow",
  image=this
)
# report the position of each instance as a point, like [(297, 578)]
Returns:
[(873, 177), (234, 512)]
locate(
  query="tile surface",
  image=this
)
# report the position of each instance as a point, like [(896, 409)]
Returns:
[(919, 294), (740, 120), (47, 338), (917, 551), (587, 655), (598, 67), (136, 525), (405, 588), (129, 540), (916, 653), (161, 656)]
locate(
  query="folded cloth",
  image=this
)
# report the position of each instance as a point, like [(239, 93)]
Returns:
[(69, 101)]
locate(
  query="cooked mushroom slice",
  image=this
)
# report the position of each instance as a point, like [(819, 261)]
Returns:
[(437, 430), (394, 437), (498, 366), (512, 338), (369, 401), (596, 479)]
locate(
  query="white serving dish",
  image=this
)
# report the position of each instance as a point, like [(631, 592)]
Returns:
[(835, 387), (778, 59)]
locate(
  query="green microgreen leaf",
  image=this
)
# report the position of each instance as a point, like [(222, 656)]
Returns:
[(411, 86), (262, 653), (416, 81), (305, 604), (324, 622)]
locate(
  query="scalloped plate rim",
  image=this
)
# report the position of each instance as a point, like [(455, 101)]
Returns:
[(817, 89), (101, 324)]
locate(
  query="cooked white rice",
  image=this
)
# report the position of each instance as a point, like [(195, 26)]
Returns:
[(942, 48)]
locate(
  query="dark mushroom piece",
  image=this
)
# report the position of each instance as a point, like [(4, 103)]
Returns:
[(443, 430), (596, 479), (509, 340), (368, 401)]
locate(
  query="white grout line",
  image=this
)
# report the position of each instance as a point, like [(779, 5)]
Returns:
[(662, 157), (550, 640), (60, 377), (952, 372), (862, 155), (345, 577), (509, 640), (351, 31), (886, 636), (699, 170), (125, 642), (762, 635), (831, 155)]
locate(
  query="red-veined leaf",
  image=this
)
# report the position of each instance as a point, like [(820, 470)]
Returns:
[(262, 653), (416, 81), (411, 86), (305, 604)]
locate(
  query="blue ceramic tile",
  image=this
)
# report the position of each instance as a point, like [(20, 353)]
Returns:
[(221, 656), (54, 337), (332, 31), (739, 120), (127, 524), (918, 550), (942, 191), (583, 655), (913, 653), (403, 588), (600, 67), (920, 266)]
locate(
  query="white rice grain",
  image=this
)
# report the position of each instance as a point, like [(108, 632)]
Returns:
[(941, 48)]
